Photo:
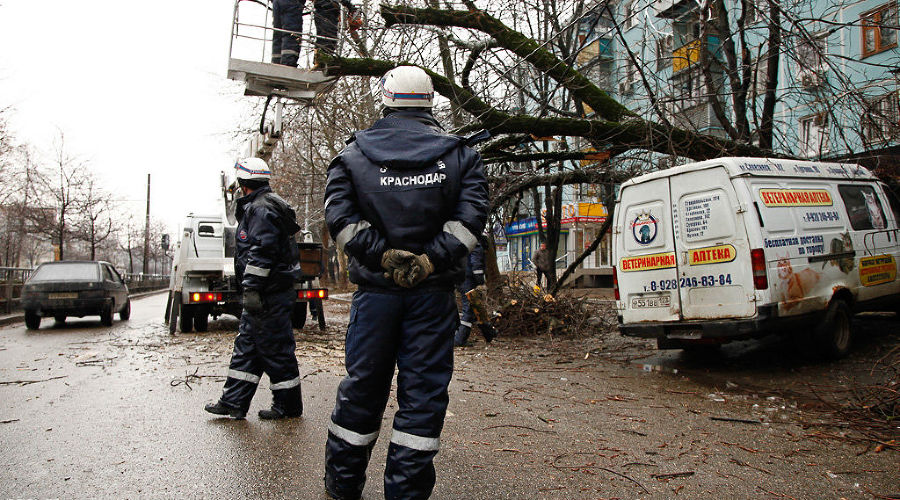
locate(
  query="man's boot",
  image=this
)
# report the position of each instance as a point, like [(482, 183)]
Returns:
[(488, 332), (462, 336), (220, 408), (276, 413)]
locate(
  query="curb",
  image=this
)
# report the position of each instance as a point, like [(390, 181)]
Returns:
[(19, 318)]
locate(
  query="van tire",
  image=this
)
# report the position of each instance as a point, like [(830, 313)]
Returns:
[(186, 319), (201, 321), (833, 336)]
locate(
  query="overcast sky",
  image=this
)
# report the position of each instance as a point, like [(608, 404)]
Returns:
[(137, 87)]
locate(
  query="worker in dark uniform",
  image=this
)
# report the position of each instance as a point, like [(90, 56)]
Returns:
[(266, 264), (474, 279), (287, 19), (404, 201)]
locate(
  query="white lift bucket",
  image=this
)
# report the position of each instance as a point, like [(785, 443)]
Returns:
[(249, 56)]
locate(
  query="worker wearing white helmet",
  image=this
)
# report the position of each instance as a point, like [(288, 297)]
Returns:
[(404, 201), (266, 264)]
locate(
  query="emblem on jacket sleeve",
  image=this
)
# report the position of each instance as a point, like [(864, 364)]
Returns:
[(242, 235), (644, 228)]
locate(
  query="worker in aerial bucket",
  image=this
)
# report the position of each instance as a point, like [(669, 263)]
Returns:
[(287, 19), (405, 202), (266, 264)]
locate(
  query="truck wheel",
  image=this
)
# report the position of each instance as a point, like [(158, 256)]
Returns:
[(320, 312), (185, 319), (125, 313), (168, 308), (201, 321), (32, 320), (60, 318), (298, 317), (106, 316), (833, 335), (173, 310)]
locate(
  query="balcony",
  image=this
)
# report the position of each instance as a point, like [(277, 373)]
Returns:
[(686, 56)]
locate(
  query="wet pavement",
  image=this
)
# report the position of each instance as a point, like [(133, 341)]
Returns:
[(88, 411)]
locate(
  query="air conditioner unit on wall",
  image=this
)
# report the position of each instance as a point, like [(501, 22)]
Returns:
[(811, 79)]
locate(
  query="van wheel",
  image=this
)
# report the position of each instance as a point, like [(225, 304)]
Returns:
[(833, 335), (32, 320)]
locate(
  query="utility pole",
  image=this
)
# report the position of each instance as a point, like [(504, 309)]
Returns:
[(146, 268)]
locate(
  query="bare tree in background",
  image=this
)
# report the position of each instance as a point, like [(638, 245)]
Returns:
[(93, 221)]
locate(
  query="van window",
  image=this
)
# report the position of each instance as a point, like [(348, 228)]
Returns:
[(893, 202), (863, 207)]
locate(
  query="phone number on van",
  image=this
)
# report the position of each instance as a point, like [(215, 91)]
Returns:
[(689, 282)]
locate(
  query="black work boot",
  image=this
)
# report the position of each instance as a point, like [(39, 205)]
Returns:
[(222, 409), (275, 413), (488, 332)]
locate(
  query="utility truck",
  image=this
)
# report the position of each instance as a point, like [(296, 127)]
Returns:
[(203, 282)]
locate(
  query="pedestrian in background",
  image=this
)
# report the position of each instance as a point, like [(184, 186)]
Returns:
[(544, 265)]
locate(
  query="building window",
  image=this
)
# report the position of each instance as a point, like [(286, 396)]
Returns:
[(753, 14), (629, 16), (811, 53), (881, 120), (689, 90), (664, 48), (814, 135), (879, 29)]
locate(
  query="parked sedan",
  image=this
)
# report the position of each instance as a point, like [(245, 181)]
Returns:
[(74, 288)]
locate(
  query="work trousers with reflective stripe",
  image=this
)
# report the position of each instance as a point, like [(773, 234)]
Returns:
[(265, 344), (286, 15), (467, 315), (327, 17), (415, 334)]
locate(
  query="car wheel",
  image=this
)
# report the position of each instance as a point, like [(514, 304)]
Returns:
[(60, 318), (106, 317), (201, 321), (125, 313), (32, 320), (298, 318), (833, 336), (185, 319)]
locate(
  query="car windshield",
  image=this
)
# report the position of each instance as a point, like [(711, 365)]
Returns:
[(74, 271)]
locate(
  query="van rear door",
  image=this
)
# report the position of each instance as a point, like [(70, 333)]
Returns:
[(646, 251), (715, 277)]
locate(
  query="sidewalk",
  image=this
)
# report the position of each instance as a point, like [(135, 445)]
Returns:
[(19, 317)]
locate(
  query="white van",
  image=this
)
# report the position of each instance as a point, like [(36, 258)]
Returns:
[(735, 248)]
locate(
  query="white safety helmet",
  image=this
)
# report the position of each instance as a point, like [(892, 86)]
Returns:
[(407, 87), (252, 169)]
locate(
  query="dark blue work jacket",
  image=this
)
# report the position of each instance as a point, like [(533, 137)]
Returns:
[(406, 184), (266, 257)]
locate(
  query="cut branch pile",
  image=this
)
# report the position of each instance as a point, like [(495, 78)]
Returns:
[(526, 311), (872, 408)]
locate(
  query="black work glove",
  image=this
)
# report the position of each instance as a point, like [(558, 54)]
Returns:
[(252, 302), (479, 279)]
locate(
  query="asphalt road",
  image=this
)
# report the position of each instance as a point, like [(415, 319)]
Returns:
[(94, 412)]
